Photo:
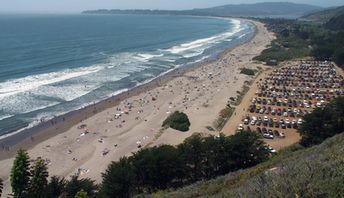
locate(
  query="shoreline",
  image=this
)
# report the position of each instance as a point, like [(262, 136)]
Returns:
[(108, 139), (27, 138)]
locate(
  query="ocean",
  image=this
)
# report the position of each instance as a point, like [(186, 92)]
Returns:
[(53, 64)]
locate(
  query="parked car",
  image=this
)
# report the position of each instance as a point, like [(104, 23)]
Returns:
[(268, 136), (246, 121)]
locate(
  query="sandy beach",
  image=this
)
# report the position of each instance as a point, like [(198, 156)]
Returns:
[(87, 143)]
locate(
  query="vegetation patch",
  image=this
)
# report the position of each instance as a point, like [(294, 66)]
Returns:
[(224, 116), (323, 123), (247, 71), (178, 121), (241, 95), (197, 158), (297, 39), (293, 172)]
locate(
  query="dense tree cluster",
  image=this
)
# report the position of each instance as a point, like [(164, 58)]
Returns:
[(323, 123), (296, 39), (1, 186), (31, 181), (178, 121), (146, 171), (198, 158)]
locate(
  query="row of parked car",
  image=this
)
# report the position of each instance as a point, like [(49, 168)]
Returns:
[(289, 93), (269, 133), (286, 102), (273, 122), (286, 112)]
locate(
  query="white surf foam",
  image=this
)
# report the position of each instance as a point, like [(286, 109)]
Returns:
[(146, 57), (206, 42), (28, 83), (4, 116)]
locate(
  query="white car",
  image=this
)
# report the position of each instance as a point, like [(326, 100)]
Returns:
[(299, 122), (241, 127), (272, 150), (287, 121), (266, 119), (246, 121)]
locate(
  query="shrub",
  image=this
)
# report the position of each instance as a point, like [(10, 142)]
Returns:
[(246, 71), (323, 123), (178, 121)]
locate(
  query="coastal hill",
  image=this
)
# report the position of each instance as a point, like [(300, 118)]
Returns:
[(336, 23), (319, 168), (271, 9), (324, 16)]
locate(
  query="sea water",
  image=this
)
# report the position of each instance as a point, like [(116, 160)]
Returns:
[(52, 64)]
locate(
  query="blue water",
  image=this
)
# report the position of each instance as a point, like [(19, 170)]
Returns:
[(51, 64)]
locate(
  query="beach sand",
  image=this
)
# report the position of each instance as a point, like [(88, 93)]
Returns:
[(116, 128)]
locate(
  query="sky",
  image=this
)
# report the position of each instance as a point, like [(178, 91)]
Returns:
[(76, 6)]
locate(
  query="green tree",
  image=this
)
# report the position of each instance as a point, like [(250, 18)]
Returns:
[(178, 121), (119, 179), (39, 179), (191, 152), (74, 185), (339, 57), (245, 149), (55, 187), (158, 167), (81, 194), (214, 157), (323, 123), (20, 174), (1, 186)]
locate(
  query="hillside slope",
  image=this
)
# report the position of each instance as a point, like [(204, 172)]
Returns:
[(295, 172), (273, 9), (260, 9), (324, 15), (336, 23)]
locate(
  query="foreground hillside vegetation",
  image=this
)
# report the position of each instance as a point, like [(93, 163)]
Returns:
[(295, 172)]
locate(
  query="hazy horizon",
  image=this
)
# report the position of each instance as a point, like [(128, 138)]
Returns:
[(77, 6)]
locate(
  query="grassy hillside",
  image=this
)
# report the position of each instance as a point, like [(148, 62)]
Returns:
[(271, 9), (296, 172), (336, 23), (261, 9), (324, 15)]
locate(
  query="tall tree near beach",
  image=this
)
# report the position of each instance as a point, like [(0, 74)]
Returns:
[(81, 194), (39, 179), (1, 186), (20, 174), (323, 123), (119, 179), (74, 185), (55, 187)]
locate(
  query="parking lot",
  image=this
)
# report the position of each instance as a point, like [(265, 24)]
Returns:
[(286, 95)]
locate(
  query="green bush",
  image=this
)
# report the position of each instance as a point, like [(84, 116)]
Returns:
[(178, 121), (323, 123), (246, 71)]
